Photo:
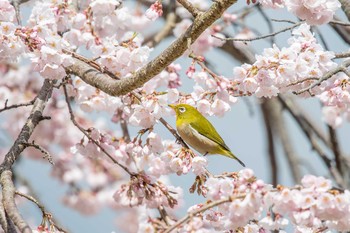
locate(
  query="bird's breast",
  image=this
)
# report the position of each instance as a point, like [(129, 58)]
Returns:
[(197, 141)]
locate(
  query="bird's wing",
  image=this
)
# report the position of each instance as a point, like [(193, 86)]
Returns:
[(207, 130)]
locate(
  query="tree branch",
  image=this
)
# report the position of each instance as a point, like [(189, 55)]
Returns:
[(314, 143), (200, 210), (166, 30), (8, 200), (281, 130), (46, 154), (261, 37), (345, 5), (8, 189), (270, 140), (336, 150), (33, 120), (189, 7), (72, 117), (6, 223), (6, 107), (341, 68), (154, 67)]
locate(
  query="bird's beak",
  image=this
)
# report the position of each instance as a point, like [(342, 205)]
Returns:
[(172, 106)]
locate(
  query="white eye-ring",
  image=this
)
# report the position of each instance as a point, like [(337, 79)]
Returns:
[(182, 109)]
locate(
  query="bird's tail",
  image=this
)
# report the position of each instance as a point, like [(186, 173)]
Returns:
[(231, 155)]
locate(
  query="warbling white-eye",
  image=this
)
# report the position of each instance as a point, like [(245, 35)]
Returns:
[(199, 133)]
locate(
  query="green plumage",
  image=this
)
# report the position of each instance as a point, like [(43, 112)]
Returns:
[(199, 133)]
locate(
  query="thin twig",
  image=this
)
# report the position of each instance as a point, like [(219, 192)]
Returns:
[(164, 215), (32, 199), (260, 37), (283, 21), (341, 68), (271, 145), (41, 149), (281, 130), (72, 117), (166, 30), (125, 130), (268, 21), (45, 214), (6, 107), (202, 209), (335, 147), (303, 120), (323, 40), (189, 7), (316, 147), (342, 55), (301, 81), (33, 120), (338, 22)]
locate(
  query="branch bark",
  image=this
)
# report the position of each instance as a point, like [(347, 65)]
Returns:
[(154, 67), (265, 109), (345, 5), (8, 189), (33, 120), (8, 200)]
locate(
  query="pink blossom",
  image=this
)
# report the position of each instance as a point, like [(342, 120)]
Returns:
[(272, 3), (155, 11), (199, 165), (7, 11), (219, 188), (315, 12), (104, 7)]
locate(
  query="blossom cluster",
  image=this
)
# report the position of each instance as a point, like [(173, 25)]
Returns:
[(336, 100), (287, 69), (108, 33), (314, 12), (247, 204)]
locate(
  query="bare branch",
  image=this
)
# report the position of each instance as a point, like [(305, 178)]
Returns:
[(16, 4), (72, 117), (45, 214), (201, 210), (270, 140), (343, 32), (283, 21), (33, 120), (261, 37), (8, 200), (6, 223), (315, 145), (189, 7), (338, 22), (41, 149), (281, 130), (303, 120), (6, 107), (336, 150), (341, 68), (345, 5), (166, 30), (267, 20), (14, 152), (342, 55), (154, 67), (125, 130)]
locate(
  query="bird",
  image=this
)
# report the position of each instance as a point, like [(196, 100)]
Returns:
[(199, 133)]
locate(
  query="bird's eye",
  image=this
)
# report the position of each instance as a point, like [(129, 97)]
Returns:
[(182, 109)]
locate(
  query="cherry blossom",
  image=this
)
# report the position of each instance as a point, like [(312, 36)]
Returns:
[(109, 151)]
